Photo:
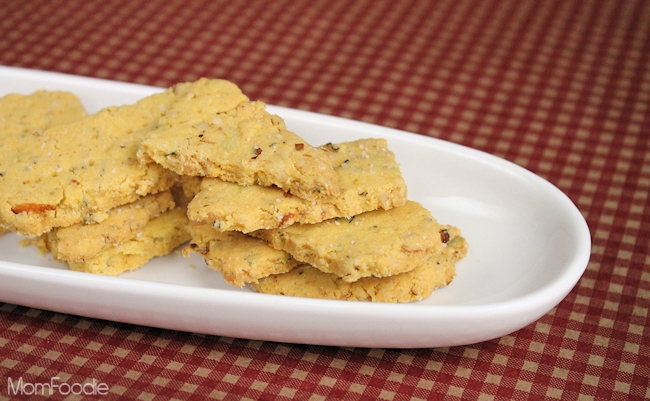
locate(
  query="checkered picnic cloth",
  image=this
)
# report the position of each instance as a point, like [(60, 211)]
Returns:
[(559, 87)]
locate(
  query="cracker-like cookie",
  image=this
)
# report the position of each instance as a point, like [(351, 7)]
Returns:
[(160, 236), (367, 172), (240, 258), (66, 173), (31, 114), (214, 131), (26, 114), (437, 271), (309, 282), (81, 242), (380, 243)]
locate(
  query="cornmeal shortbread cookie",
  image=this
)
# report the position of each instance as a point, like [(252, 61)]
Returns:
[(81, 242), (75, 172), (26, 114), (160, 236), (437, 271), (31, 114), (380, 243), (368, 175), (240, 258), (214, 131)]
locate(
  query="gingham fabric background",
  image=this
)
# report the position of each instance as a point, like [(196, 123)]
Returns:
[(559, 87)]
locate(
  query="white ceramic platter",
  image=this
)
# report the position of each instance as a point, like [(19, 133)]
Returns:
[(529, 245)]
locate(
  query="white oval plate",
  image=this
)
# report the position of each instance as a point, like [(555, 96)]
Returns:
[(529, 245)]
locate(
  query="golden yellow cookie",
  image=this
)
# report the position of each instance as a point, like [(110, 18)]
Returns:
[(367, 172), (309, 282), (69, 172), (214, 131), (160, 236), (240, 258), (81, 242), (437, 271), (28, 114), (380, 243)]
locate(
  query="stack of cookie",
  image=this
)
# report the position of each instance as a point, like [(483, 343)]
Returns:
[(368, 178), (75, 187), (201, 162), (273, 211)]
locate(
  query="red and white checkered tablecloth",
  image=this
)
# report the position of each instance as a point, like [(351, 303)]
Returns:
[(561, 88)]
